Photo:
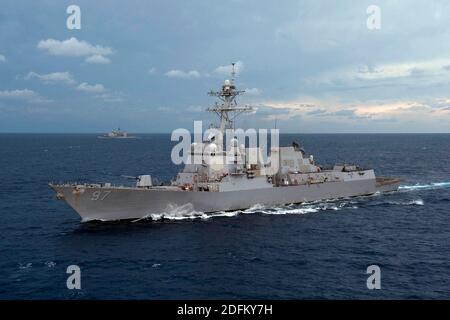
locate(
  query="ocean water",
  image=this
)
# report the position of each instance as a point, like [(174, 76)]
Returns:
[(315, 250)]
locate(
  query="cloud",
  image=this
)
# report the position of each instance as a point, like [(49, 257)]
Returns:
[(277, 115), (401, 73), (398, 108), (65, 77), (253, 92), (55, 77), (284, 110), (351, 112), (152, 70), (94, 88), (22, 95), (227, 69), (180, 74), (316, 112), (345, 113), (73, 47), (98, 90), (97, 58), (17, 94), (220, 70), (2, 58), (397, 70), (296, 105)]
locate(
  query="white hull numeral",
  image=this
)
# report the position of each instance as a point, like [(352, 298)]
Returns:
[(100, 195)]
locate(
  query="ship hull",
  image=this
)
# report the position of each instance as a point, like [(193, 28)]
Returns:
[(118, 203)]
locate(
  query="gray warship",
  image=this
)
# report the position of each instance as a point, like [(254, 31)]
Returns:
[(235, 185), (117, 134)]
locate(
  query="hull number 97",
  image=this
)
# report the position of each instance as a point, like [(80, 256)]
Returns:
[(100, 195)]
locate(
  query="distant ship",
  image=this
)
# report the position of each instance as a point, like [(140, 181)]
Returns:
[(117, 134), (233, 186)]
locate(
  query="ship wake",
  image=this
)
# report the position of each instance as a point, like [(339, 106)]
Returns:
[(430, 186), (306, 208), (184, 212)]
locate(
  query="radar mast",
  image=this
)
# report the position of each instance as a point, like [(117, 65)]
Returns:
[(228, 109)]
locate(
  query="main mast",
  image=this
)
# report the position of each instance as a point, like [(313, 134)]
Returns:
[(228, 109)]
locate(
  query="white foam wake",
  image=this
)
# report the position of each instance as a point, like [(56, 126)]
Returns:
[(311, 207), (185, 212), (434, 185), (417, 202)]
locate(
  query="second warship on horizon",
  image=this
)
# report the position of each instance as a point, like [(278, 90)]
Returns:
[(232, 186), (117, 134)]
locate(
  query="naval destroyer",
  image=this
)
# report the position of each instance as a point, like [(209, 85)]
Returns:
[(236, 185), (117, 134)]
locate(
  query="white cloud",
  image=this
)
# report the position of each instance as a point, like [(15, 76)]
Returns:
[(183, 74), (23, 95), (97, 59), (253, 92), (300, 104), (17, 94), (2, 58), (396, 70), (226, 70), (361, 112), (91, 88), (152, 70), (220, 70), (403, 72), (55, 77), (73, 47)]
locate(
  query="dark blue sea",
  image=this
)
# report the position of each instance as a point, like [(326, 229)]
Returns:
[(315, 250)]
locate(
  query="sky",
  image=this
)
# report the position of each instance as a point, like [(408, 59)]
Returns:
[(146, 66)]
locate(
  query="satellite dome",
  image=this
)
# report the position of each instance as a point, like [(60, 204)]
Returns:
[(227, 82), (212, 148)]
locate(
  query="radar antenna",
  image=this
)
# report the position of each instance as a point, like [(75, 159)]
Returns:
[(233, 72)]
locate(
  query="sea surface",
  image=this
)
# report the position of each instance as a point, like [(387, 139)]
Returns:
[(316, 250)]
